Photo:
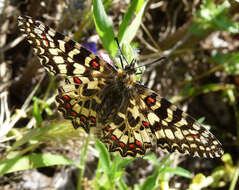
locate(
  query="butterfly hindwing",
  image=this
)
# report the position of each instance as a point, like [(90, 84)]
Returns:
[(152, 120), (129, 132), (78, 99), (177, 131)]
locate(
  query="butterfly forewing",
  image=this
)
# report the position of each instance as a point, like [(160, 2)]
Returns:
[(127, 116), (59, 54)]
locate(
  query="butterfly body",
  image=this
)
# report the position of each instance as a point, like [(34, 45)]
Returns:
[(128, 117)]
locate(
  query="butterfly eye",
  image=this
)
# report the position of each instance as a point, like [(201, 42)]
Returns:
[(129, 69)]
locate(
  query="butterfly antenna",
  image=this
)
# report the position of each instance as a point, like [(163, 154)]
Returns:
[(121, 53), (132, 62), (160, 60)]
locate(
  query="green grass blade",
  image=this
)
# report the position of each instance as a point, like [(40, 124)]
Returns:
[(127, 17), (151, 182), (82, 163), (37, 113), (33, 161), (104, 27), (124, 162), (131, 31), (104, 157), (178, 171), (57, 130), (122, 185)]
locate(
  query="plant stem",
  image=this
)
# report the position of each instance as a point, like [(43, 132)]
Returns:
[(235, 178), (82, 163)]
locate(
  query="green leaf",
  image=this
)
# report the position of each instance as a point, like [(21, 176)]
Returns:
[(163, 162), (211, 87), (37, 113), (33, 134), (104, 157), (114, 174), (178, 171), (213, 17), (132, 29), (230, 61), (104, 27), (201, 120), (152, 158), (122, 185), (58, 130), (197, 29), (223, 23), (124, 162), (151, 182), (33, 161), (126, 19)]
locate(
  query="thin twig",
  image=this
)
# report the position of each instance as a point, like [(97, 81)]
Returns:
[(177, 45), (150, 37), (214, 69), (12, 44), (9, 123)]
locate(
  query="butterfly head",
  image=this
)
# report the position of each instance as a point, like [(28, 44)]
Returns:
[(127, 74), (130, 68), (126, 63)]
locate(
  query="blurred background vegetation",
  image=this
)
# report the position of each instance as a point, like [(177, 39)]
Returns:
[(41, 150)]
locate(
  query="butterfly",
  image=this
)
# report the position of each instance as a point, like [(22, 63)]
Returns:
[(128, 117)]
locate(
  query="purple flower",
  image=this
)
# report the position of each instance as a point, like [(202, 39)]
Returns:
[(106, 58), (91, 46)]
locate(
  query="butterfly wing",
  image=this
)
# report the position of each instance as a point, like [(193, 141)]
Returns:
[(128, 132), (175, 130), (77, 99), (86, 73), (151, 120), (61, 55)]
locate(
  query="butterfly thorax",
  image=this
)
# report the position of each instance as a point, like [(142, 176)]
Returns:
[(115, 97), (127, 76)]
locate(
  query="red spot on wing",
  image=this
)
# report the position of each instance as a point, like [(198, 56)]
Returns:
[(138, 143), (44, 37), (45, 40), (68, 105), (145, 124), (121, 144), (67, 98), (131, 146), (113, 137), (150, 101), (77, 80), (108, 128), (95, 64), (192, 136), (92, 119), (83, 118), (74, 113)]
